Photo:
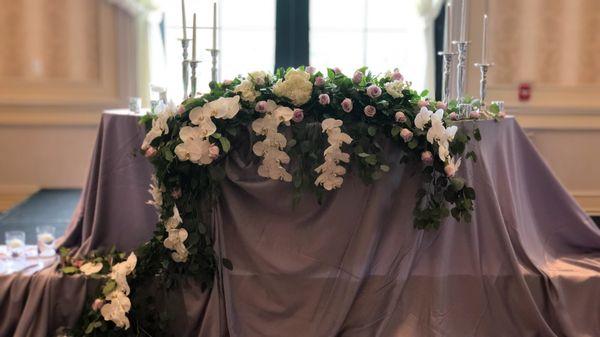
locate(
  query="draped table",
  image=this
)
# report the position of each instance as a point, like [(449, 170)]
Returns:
[(527, 265)]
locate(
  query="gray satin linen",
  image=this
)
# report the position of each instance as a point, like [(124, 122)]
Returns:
[(528, 264)]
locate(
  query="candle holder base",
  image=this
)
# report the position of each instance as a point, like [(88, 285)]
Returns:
[(213, 70), (185, 66), (193, 65), (447, 59), (483, 68)]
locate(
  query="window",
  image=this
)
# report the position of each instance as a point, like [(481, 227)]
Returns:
[(380, 34), (245, 37)]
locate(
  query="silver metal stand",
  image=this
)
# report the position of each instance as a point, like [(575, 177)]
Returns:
[(461, 69), (193, 65), (447, 59), (483, 68), (213, 70), (184, 66)]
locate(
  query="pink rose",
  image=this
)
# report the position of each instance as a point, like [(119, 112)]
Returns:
[(261, 106), (397, 76), (337, 70), (406, 135), (373, 91), (324, 99), (227, 82), (357, 77), (423, 103), (450, 170), (97, 304), (319, 81), (475, 114), (427, 158), (213, 151), (440, 105), (453, 116), (400, 117), (150, 152), (298, 115), (180, 109), (370, 111), (347, 105), (311, 70), (176, 193)]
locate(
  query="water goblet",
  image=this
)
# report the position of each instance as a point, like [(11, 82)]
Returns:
[(15, 243), (45, 240)]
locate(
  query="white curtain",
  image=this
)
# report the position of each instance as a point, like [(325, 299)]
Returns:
[(429, 10)]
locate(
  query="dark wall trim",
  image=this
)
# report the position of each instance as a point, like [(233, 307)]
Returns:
[(291, 33), (438, 33)]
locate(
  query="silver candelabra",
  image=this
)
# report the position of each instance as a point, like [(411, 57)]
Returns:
[(483, 68), (213, 70), (184, 66), (193, 65), (447, 59), (461, 69)]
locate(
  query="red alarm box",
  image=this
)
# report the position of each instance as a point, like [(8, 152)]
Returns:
[(524, 92)]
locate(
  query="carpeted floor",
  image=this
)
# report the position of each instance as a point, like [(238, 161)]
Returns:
[(50, 207), (46, 207)]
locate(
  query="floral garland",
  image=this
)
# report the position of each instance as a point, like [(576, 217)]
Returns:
[(306, 129)]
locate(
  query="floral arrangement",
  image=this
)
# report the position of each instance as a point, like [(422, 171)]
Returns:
[(306, 128)]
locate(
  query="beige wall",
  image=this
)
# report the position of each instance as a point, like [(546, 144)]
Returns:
[(555, 46), (60, 66)]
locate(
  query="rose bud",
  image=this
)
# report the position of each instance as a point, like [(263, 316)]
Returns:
[(406, 135), (427, 158), (370, 111), (298, 115), (373, 91), (400, 117), (357, 77), (347, 105), (319, 81)]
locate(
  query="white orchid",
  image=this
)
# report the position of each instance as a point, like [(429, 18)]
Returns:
[(160, 123), (195, 147), (116, 309), (175, 241), (175, 220), (156, 193), (422, 118), (436, 132), (330, 171), (443, 152), (90, 268)]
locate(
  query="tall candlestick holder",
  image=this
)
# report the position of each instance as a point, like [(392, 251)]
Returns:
[(483, 68), (185, 66), (461, 69), (213, 70), (193, 65), (447, 59)]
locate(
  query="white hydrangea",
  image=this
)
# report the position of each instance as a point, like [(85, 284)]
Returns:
[(247, 90), (395, 88), (296, 86)]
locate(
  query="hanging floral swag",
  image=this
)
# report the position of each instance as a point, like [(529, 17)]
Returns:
[(306, 129)]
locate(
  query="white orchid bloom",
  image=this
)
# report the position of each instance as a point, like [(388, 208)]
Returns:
[(436, 132), (90, 268), (438, 115), (120, 271), (331, 123), (283, 114), (195, 146), (116, 308), (443, 152), (422, 118), (175, 220), (156, 193), (247, 90), (451, 132)]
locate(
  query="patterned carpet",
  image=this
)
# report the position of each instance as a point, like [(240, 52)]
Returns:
[(46, 207), (51, 207)]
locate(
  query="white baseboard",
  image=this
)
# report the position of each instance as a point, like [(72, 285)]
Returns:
[(11, 195), (589, 201)]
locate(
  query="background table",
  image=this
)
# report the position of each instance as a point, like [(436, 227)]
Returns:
[(528, 264)]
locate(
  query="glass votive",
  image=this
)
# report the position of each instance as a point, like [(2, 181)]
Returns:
[(464, 110), (45, 240), (135, 104), (499, 104), (15, 243)]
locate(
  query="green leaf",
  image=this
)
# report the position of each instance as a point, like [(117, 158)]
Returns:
[(227, 264), (457, 183), (371, 159), (109, 287), (470, 193), (372, 131), (413, 144), (169, 156), (90, 328), (472, 155), (216, 135), (477, 134), (424, 93), (395, 130), (363, 155), (494, 108), (225, 144), (69, 270), (384, 168)]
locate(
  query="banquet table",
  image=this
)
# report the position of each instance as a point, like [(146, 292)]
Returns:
[(527, 265)]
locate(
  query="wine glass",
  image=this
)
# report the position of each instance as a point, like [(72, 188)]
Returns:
[(15, 243)]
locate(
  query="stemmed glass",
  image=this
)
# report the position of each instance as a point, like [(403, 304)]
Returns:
[(15, 243), (45, 240)]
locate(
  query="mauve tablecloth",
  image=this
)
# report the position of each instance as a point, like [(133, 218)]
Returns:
[(528, 264)]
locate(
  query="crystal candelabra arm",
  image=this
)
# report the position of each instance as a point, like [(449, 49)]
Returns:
[(213, 70), (461, 69), (447, 59), (185, 66), (483, 68), (193, 65)]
